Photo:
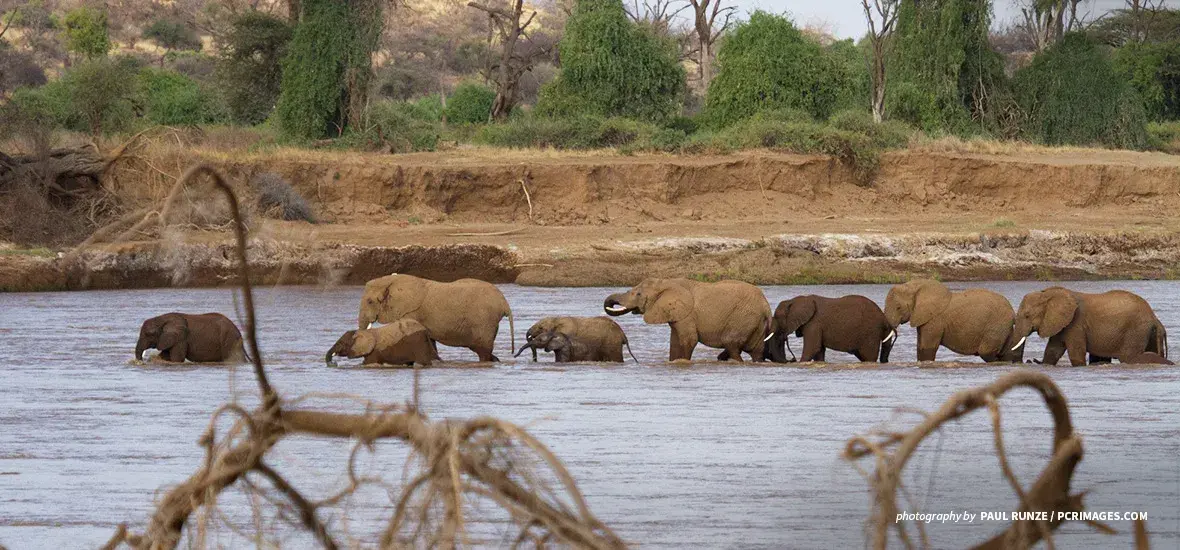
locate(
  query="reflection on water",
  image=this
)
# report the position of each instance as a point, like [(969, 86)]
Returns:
[(715, 455)]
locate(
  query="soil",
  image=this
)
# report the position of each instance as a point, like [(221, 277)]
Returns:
[(591, 219)]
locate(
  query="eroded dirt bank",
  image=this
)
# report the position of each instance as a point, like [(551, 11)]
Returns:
[(611, 220)]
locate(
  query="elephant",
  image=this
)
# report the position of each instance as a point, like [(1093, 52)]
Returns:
[(569, 350), (1146, 358), (971, 322), (465, 313), (202, 338), (1115, 324), (602, 335), (731, 315), (402, 342), (852, 324)]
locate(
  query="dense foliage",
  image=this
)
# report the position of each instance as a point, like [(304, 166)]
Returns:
[(171, 34), (611, 66), (1072, 95), (311, 102), (86, 32), (249, 69), (470, 104), (172, 99), (766, 63), (1153, 69)]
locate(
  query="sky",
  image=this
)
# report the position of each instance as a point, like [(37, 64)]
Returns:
[(846, 19)]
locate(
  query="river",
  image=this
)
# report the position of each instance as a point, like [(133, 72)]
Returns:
[(712, 455)]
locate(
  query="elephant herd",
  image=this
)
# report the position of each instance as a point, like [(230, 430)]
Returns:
[(417, 314)]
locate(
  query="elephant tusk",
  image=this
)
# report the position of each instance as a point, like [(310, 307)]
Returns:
[(370, 325), (616, 308), (1020, 343), (768, 337), (889, 337)]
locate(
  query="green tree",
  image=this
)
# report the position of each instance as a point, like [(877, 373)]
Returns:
[(941, 64), (102, 91), (767, 64), (171, 34), (1153, 69), (328, 66), (612, 67), (1071, 95), (470, 104), (170, 98), (249, 68), (86, 32)]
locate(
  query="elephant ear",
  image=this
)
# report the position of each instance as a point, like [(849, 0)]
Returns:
[(674, 303), (801, 311), (1060, 307), (363, 343), (402, 296), (174, 332), (932, 297)]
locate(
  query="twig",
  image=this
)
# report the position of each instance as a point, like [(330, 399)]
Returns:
[(532, 265), (494, 234), (527, 197), (306, 509)]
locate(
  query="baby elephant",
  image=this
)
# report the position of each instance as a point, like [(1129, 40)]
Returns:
[(601, 337), (202, 338), (402, 342), (1146, 358), (569, 350), (852, 324)]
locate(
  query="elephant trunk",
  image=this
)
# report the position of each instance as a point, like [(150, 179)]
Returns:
[(140, 346), (328, 357), (527, 345), (613, 305)]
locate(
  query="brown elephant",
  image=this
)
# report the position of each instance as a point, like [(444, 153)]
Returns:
[(1115, 324), (465, 313), (971, 322), (202, 338), (730, 315), (402, 342), (601, 335), (569, 350), (852, 324), (1146, 358)]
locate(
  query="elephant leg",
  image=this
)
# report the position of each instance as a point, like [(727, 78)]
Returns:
[(869, 351), (928, 342), (1053, 351), (178, 352), (812, 349), (485, 354), (822, 355), (735, 352), (1098, 359), (682, 342), (724, 355)]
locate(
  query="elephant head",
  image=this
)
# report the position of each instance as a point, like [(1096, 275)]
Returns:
[(917, 302), (354, 343), (557, 342), (162, 332), (791, 315), (390, 298), (659, 300), (1048, 312), (539, 335)]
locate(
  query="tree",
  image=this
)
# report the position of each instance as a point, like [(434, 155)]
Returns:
[(1140, 22), (611, 66), (172, 34), (86, 32), (881, 19), (766, 63), (515, 59), (705, 14), (1046, 21), (249, 65), (1153, 70), (1071, 95)]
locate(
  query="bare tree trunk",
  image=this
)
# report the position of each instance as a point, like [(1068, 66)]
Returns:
[(881, 17), (512, 65), (706, 65), (878, 86)]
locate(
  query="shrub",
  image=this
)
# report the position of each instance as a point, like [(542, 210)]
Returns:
[(102, 93), (277, 199), (86, 32), (402, 81), (1153, 69), (1072, 96), (470, 104), (612, 67), (170, 98), (541, 132), (402, 127), (766, 63), (249, 68), (1164, 136)]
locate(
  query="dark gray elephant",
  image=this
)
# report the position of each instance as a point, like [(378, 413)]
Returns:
[(203, 338)]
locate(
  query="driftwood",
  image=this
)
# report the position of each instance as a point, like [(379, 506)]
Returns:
[(479, 463), (65, 171), (1049, 493)]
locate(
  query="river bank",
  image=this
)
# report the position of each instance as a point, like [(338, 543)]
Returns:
[(596, 219)]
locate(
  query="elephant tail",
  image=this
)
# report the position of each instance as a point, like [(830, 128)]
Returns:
[(511, 328), (1161, 339), (629, 352)]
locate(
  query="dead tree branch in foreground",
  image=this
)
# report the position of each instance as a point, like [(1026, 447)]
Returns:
[(467, 465), (1049, 493)]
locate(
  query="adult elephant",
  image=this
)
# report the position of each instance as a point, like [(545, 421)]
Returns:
[(1115, 324), (602, 336), (731, 315), (202, 338), (971, 322), (851, 324), (465, 313)]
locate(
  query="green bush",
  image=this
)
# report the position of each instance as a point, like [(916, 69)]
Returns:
[(470, 104), (402, 127), (1071, 95), (310, 99), (172, 99), (102, 94), (249, 66), (1153, 70), (171, 34), (766, 63), (612, 67), (1164, 136), (86, 33), (49, 105), (586, 132)]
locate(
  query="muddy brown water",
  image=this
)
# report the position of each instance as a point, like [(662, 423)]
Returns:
[(706, 456)]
